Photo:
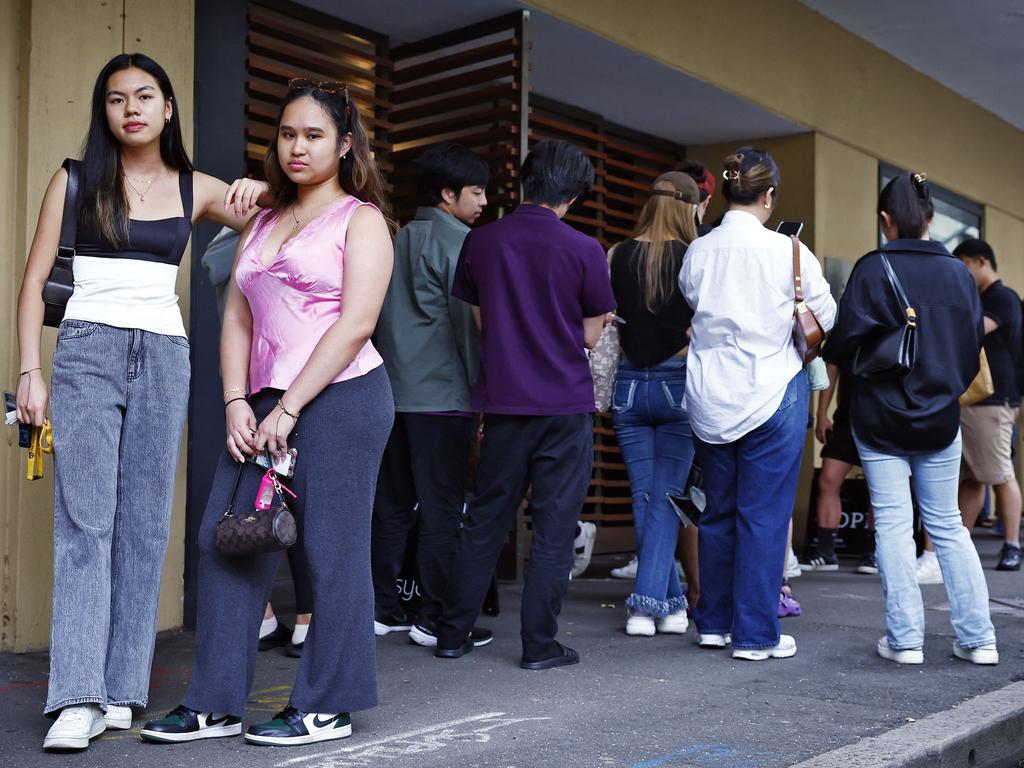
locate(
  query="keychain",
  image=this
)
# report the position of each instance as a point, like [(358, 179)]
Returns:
[(41, 442), (268, 485)]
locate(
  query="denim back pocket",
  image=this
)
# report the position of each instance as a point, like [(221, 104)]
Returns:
[(75, 329), (675, 393), (622, 395)]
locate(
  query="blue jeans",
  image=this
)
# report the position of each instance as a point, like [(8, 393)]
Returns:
[(649, 416), (936, 478), (118, 405), (751, 486)]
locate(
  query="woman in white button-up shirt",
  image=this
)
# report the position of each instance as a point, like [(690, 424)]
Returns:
[(747, 397)]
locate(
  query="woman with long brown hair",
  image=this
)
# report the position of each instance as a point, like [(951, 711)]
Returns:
[(309, 279), (648, 401), (120, 387)]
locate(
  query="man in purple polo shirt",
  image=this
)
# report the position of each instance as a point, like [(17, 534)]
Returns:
[(541, 293)]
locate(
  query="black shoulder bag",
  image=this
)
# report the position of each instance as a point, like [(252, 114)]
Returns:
[(889, 352), (256, 531), (61, 283)]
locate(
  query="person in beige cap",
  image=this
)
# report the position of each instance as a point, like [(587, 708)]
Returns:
[(648, 400)]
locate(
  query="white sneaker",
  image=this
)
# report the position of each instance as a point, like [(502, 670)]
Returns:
[(793, 566), (75, 726), (639, 625), (714, 641), (928, 571), (985, 654), (118, 718), (784, 650), (628, 571), (583, 548), (673, 624), (906, 656)]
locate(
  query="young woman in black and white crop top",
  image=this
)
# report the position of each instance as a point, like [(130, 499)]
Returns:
[(120, 388)]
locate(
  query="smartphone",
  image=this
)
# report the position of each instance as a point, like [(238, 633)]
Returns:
[(285, 466), (10, 409), (788, 228)]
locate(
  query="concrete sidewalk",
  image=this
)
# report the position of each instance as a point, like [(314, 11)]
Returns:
[(633, 702)]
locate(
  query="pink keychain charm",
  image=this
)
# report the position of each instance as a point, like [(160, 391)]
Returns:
[(269, 484)]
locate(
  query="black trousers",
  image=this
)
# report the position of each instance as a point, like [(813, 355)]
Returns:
[(424, 463), (554, 454)]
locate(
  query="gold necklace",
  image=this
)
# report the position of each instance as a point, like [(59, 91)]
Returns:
[(142, 195), (316, 212)]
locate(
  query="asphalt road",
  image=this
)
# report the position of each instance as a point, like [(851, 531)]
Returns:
[(632, 703)]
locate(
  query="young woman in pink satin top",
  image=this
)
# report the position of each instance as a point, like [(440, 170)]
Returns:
[(309, 280)]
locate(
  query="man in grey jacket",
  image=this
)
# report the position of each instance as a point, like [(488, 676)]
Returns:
[(430, 345)]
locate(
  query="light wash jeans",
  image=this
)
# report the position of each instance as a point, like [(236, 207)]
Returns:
[(936, 478), (653, 432), (118, 404)]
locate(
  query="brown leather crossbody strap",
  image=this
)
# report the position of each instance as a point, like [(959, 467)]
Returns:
[(798, 289)]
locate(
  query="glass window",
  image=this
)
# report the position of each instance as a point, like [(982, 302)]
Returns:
[(956, 218)]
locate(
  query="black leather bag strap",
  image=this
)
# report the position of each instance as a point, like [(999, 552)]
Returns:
[(69, 220), (908, 310), (234, 491)]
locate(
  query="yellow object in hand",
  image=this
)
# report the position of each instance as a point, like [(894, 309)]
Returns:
[(42, 442)]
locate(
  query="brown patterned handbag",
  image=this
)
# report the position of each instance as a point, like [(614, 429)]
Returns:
[(256, 531)]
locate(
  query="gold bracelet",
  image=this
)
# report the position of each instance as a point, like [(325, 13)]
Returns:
[(280, 404), (233, 390)]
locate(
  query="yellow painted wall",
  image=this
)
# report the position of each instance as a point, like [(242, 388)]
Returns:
[(788, 59), (52, 50)]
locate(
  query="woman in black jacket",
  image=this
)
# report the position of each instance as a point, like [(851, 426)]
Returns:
[(910, 425)]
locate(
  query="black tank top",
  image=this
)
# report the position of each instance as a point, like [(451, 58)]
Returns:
[(162, 241), (648, 338)]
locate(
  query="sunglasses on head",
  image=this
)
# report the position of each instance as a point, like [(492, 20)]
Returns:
[(325, 86)]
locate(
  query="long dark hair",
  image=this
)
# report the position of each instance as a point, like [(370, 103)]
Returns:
[(357, 171), (908, 201), (104, 205)]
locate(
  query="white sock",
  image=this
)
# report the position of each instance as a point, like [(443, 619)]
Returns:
[(299, 633), (268, 627)]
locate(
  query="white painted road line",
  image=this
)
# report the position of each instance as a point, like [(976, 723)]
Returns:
[(429, 739)]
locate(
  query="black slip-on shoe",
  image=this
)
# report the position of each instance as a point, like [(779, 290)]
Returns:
[(293, 650), (291, 727), (184, 724), (454, 653), (567, 657), (1009, 558), (280, 636)]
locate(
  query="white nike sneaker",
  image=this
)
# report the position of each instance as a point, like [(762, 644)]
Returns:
[(118, 718), (985, 654), (714, 641), (784, 650), (75, 726), (900, 656)]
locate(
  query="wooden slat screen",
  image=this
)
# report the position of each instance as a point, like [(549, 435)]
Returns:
[(625, 162), (463, 86), (287, 40)]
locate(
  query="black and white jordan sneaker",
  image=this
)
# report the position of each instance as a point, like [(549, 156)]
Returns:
[(184, 724), (292, 727)]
